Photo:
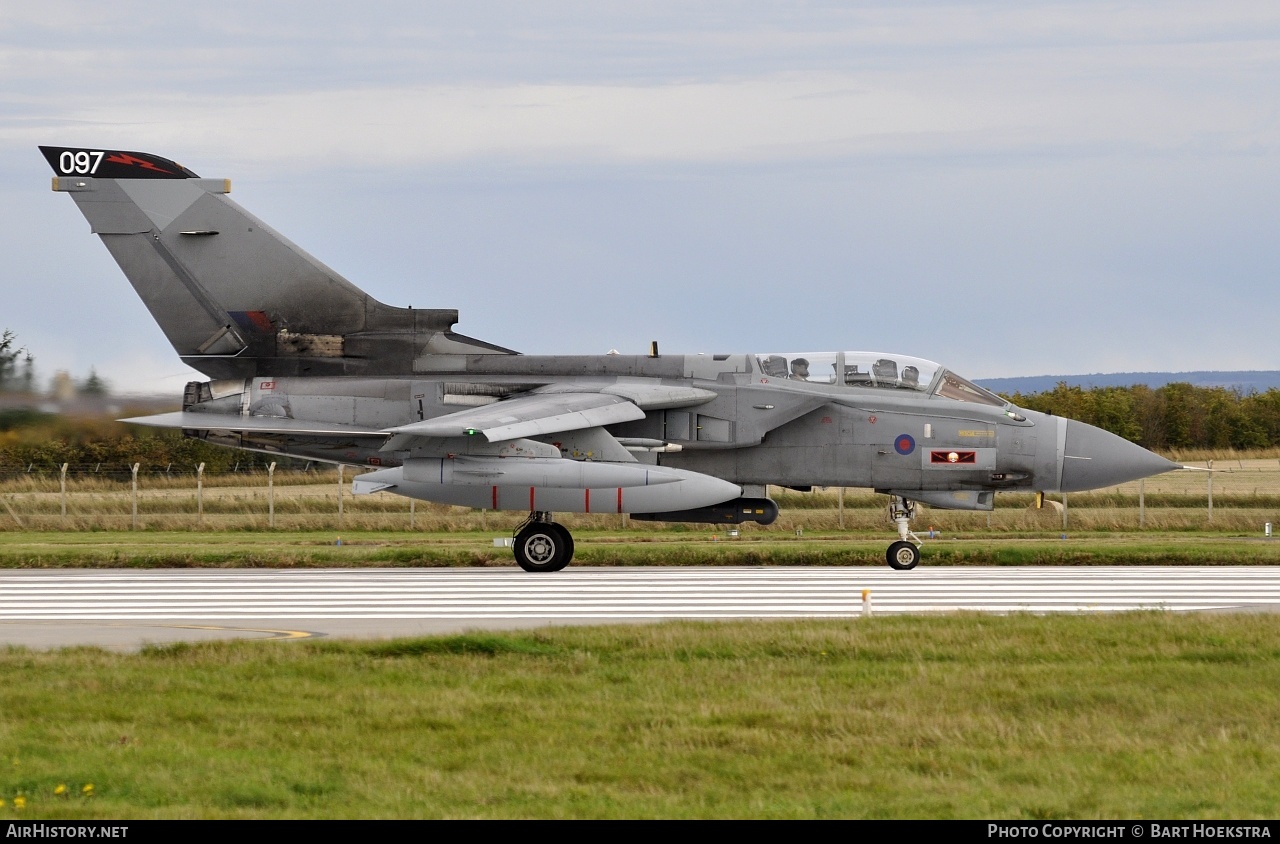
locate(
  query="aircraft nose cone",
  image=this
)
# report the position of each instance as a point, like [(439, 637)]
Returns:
[(1094, 458)]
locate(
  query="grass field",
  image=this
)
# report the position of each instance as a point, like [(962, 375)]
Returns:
[(289, 550), (230, 525), (292, 549), (1144, 715), (1246, 495), (1138, 715)]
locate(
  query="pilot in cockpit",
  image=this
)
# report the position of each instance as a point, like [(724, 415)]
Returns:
[(800, 369)]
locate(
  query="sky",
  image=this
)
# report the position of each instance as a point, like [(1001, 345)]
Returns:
[(1008, 189)]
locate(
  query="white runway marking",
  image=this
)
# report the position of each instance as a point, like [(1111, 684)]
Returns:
[(617, 594)]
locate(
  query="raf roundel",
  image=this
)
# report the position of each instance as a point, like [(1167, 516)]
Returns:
[(904, 444)]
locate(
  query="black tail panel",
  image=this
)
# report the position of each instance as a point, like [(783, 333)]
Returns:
[(113, 164)]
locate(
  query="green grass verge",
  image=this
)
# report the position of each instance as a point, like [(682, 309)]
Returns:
[(287, 549), (1137, 715)]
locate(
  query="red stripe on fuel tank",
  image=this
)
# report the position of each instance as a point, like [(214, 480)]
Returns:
[(586, 500), (619, 499), (531, 507), (495, 498)]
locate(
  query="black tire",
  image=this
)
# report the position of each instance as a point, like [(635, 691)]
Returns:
[(541, 547), (568, 543), (903, 556)]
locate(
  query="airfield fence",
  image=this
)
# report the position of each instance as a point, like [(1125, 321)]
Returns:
[(1240, 495), (10, 473)]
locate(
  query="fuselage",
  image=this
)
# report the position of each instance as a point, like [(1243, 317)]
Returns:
[(932, 436)]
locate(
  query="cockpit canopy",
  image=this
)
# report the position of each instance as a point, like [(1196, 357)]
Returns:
[(877, 369)]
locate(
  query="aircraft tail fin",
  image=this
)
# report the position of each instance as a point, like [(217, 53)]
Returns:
[(233, 296)]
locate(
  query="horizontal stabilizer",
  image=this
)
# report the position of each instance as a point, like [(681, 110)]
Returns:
[(254, 424)]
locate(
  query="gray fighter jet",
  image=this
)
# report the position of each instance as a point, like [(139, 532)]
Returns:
[(303, 363)]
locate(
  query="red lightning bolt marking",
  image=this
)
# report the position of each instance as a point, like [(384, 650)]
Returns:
[(125, 158)]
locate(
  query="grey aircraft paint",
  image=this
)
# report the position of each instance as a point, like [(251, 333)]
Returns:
[(306, 364)]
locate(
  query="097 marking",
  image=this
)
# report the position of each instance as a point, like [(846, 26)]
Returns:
[(81, 162)]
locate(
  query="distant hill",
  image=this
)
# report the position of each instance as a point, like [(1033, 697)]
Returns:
[(1245, 382)]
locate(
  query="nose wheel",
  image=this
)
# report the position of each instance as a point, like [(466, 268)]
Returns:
[(541, 545), (904, 554)]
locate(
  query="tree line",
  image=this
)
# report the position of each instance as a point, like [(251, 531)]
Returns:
[(17, 365), (30, 439), (18, 373), (1175, 416)]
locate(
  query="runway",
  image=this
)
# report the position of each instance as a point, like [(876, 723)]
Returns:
[(125, 609)]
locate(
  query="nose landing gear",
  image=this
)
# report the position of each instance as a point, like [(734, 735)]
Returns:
[(904, 554), (541, 545)]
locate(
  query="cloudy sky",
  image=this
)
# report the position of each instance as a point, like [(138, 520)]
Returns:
[(1010, 189)]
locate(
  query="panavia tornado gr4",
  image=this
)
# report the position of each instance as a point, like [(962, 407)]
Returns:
[(304, 363)]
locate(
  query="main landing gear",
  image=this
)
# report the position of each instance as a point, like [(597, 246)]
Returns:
[(903, 554), (542, 545)]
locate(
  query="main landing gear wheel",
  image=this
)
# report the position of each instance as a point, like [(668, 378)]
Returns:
[(903, 556), (543, 546), (568, 540)]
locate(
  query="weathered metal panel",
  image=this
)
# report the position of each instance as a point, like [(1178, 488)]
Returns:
[(183, 318), (679, 426), (713, 430)]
